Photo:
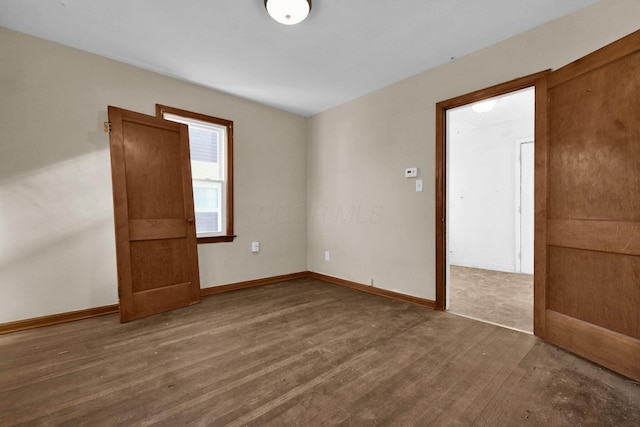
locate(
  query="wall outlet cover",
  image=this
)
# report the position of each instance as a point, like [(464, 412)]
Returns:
[(410, 172)]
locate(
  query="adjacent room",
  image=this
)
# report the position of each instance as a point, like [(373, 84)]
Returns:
[(236, 213), (490, 202)]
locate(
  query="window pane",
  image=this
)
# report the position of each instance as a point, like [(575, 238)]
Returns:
[(205, 199), (205, 171), (207, 222), (203, 144), (208, 145)]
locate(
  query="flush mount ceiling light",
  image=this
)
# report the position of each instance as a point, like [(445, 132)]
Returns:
[(484, 106), (288, 12)]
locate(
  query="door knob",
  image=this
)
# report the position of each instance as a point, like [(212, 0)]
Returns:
[(190, 220)]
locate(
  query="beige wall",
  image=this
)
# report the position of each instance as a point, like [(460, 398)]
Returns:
[(57, 250), (358, 151)]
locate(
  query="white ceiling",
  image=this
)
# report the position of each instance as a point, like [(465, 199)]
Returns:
[(345, 48), (510, 110)]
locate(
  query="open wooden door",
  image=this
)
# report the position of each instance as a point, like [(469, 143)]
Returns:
[(587, 248), (154, 219)]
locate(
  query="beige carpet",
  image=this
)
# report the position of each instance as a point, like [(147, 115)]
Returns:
[(502, 298)]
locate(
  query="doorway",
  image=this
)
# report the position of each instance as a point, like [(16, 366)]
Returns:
[(490, 209), (586, 216)]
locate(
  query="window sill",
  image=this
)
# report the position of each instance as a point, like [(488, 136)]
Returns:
[(216, 239)]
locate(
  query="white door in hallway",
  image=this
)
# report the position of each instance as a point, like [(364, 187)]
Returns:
[(526, 207)]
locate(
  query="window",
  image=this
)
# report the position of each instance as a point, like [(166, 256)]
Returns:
[(211, 145)]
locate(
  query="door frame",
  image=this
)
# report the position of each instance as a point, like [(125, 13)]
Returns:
[(536, 80)]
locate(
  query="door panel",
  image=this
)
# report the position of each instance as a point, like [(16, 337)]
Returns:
[(153, 209), (158, 263), (597, 287), (594, 125), (152, 152), (588, 208)]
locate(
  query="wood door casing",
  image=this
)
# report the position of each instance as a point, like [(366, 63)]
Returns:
[(153, 212), (588, 208), (534, 80)]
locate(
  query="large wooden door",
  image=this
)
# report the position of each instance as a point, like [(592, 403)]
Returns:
[(587, 266), (154, 218)]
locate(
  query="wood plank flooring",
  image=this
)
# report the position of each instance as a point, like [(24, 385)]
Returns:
[(305, 353), (493, 296)]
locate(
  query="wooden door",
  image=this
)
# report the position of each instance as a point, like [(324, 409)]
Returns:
[(154, 218), (587, 266)]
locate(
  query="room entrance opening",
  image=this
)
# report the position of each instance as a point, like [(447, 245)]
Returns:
[(489, 198)]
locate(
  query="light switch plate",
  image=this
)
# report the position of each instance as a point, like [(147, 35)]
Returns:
[(418, 185)]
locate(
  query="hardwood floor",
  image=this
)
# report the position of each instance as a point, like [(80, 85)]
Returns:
[(305, 353), (493, 296)]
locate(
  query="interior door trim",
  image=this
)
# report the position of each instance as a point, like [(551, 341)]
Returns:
[(441, 163)]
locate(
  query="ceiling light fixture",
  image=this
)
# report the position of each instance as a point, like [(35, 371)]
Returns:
[(484, 106), (288, 12)]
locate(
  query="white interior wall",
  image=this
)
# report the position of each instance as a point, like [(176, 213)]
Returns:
[(57, 244), (358, 151), (483, 167)]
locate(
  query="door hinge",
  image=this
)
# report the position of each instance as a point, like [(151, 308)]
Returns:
[(107, 127)]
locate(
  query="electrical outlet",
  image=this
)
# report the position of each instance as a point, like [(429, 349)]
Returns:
[(327, 256), (410, 172), (255, 246)]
